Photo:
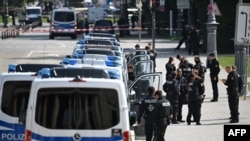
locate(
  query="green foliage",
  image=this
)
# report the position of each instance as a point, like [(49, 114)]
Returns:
[(226, 27)]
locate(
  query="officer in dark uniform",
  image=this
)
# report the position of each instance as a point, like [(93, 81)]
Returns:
[(186, 68), (162, 116), (182, 83), (172, 90), (213, 65), (194, 99), (240, 81), (193, 40), (233, 95), (199, 66), (147, 111), (181, 59), (170, 67)]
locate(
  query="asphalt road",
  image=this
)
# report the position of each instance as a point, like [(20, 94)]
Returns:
[(36, 47)]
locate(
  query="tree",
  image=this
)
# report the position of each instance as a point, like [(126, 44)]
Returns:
[(226, 27)]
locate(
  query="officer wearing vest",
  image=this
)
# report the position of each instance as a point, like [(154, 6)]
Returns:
[(182, 83), (172, 90), (187, 68), (147, 111), (170, 67), (214, 66), (233, 94), (162, 116), (194, 99), (198, 66)]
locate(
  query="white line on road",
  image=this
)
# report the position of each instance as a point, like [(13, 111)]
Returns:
[(30, 54)]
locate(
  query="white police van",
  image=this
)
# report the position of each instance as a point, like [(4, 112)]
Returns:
[(77, 108), (14, 94), (63, 23)]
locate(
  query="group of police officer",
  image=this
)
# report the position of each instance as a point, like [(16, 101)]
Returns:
[(185, 85)]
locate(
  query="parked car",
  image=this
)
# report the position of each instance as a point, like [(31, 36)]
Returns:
[(103, 26)]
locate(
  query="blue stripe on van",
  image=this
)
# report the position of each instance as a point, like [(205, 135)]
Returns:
[(46, 138), (15, 131), (58, 25)]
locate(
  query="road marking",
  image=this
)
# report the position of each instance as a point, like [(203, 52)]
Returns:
[(30, 54)]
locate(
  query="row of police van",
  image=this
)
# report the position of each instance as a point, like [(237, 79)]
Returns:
[(87, 96)]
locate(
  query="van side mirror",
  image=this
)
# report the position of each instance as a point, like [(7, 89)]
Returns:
[(22, 117)]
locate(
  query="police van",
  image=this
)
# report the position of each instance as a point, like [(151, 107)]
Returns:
[(14, 94), (77, 108), (63, 23)]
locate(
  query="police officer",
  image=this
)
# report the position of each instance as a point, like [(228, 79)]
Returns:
[(186, 68), (233, 95), (146, 110), (194, 99), (240, 82), (199, 66), (152, 53), (170, 67), (193, 40), (181, 59), (182, 83), (172, 90), (162, 116), (213, 65)]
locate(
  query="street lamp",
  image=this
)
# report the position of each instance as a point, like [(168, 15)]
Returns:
[(211, 31), (6, 13)]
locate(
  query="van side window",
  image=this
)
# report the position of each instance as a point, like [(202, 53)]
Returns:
[(77, 108), (15, 97)]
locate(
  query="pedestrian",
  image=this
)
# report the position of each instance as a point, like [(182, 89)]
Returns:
[(172, 91), (162, 116), (194, 99), (184, 37), (147, 111), (51, 5), (214, 67), (240, 82), (182, 83), (193, 41), (122, 25), (152, 53), (233, 93), (199, 66), (131, 75), (86, 26), (181, 59), (186, 68), (170, 67)]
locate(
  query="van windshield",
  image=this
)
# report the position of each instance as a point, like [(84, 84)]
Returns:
[(33, 11), (77, 108), (64, 16), (15, 97)]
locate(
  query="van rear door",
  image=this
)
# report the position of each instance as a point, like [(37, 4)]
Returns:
[(138, 91), (83, 110), (14, 95)]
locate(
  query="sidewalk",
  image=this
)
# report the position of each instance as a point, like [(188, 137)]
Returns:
[(214, 114)]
